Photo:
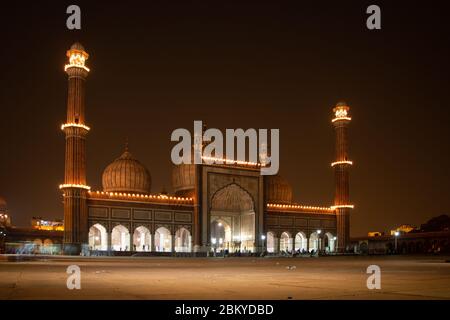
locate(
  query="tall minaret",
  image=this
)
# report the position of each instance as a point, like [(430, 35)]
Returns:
[(74, 187), (341, 171)]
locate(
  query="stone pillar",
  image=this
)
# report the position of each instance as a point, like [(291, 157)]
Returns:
[(279, 245), (173, 241), (109, 240), (152, 242), (131, 242)]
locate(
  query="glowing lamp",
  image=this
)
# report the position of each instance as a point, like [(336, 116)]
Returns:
[(341, 112), (77, 59)]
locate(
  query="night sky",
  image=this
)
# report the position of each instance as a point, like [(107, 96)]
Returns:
[(159, 65)]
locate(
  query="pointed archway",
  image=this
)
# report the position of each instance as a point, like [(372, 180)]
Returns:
[(232, 209)]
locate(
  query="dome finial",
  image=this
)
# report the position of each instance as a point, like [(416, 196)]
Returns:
[(127, 145)]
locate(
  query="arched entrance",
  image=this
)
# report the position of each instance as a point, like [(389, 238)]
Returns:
[(301, 242), (314, 242), (221, 235), (183, 240), (163, 240), (233, 207), (285, 242), (141, 239), (98, 237), (270, 242), (120, 238), (330, 242)]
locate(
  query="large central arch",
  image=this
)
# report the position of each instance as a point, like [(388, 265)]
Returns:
[(232, 213)]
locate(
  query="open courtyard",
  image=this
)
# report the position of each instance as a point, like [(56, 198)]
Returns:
[(402, 277)]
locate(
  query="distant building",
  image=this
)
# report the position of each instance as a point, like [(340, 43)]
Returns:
[(404, 228), (50, 225), (375, 234), (432, 237), (43, 236)]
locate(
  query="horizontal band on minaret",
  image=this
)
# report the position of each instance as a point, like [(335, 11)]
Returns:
[(341, 162), (343, 206), (75, 125), (67, 66), (71, 185), (341, 118)]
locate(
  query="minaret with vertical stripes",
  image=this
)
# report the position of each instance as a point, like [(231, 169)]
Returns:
[(75, 188), (341, 167)]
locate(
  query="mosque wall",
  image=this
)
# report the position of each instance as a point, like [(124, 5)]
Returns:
[(306, 222), (134, 214)]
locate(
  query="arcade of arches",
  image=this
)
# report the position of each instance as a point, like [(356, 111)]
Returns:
[(286, 242), (142, 240), (223, 236)]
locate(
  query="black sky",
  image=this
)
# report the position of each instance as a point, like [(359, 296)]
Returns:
[(159, 65)]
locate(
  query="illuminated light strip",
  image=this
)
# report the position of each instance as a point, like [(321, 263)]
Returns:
[(72, 65), (295, 206), (142, 196), (76, 125), (341, 118), (227, 161), (70, 185), (342, 206), (341, 162)]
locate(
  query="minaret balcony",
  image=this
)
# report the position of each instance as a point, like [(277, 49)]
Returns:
[(344, 162)]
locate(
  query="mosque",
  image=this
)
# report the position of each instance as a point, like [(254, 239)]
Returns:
[(228, 206)]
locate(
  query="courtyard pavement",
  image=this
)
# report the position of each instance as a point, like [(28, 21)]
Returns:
[(402, 277)]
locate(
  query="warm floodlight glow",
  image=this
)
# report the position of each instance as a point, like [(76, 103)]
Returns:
[(340, 113), (343, 206), (70, 185), (77, 59), (341, 118), (211, 160), (341, 162), (75, 125)]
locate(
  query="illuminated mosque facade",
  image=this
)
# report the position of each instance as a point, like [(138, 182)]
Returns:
[(230, 206)]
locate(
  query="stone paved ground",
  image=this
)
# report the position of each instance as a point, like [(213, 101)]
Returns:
[(403, 277)]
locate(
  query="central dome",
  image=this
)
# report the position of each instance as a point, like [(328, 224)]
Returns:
[(126, 174)]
